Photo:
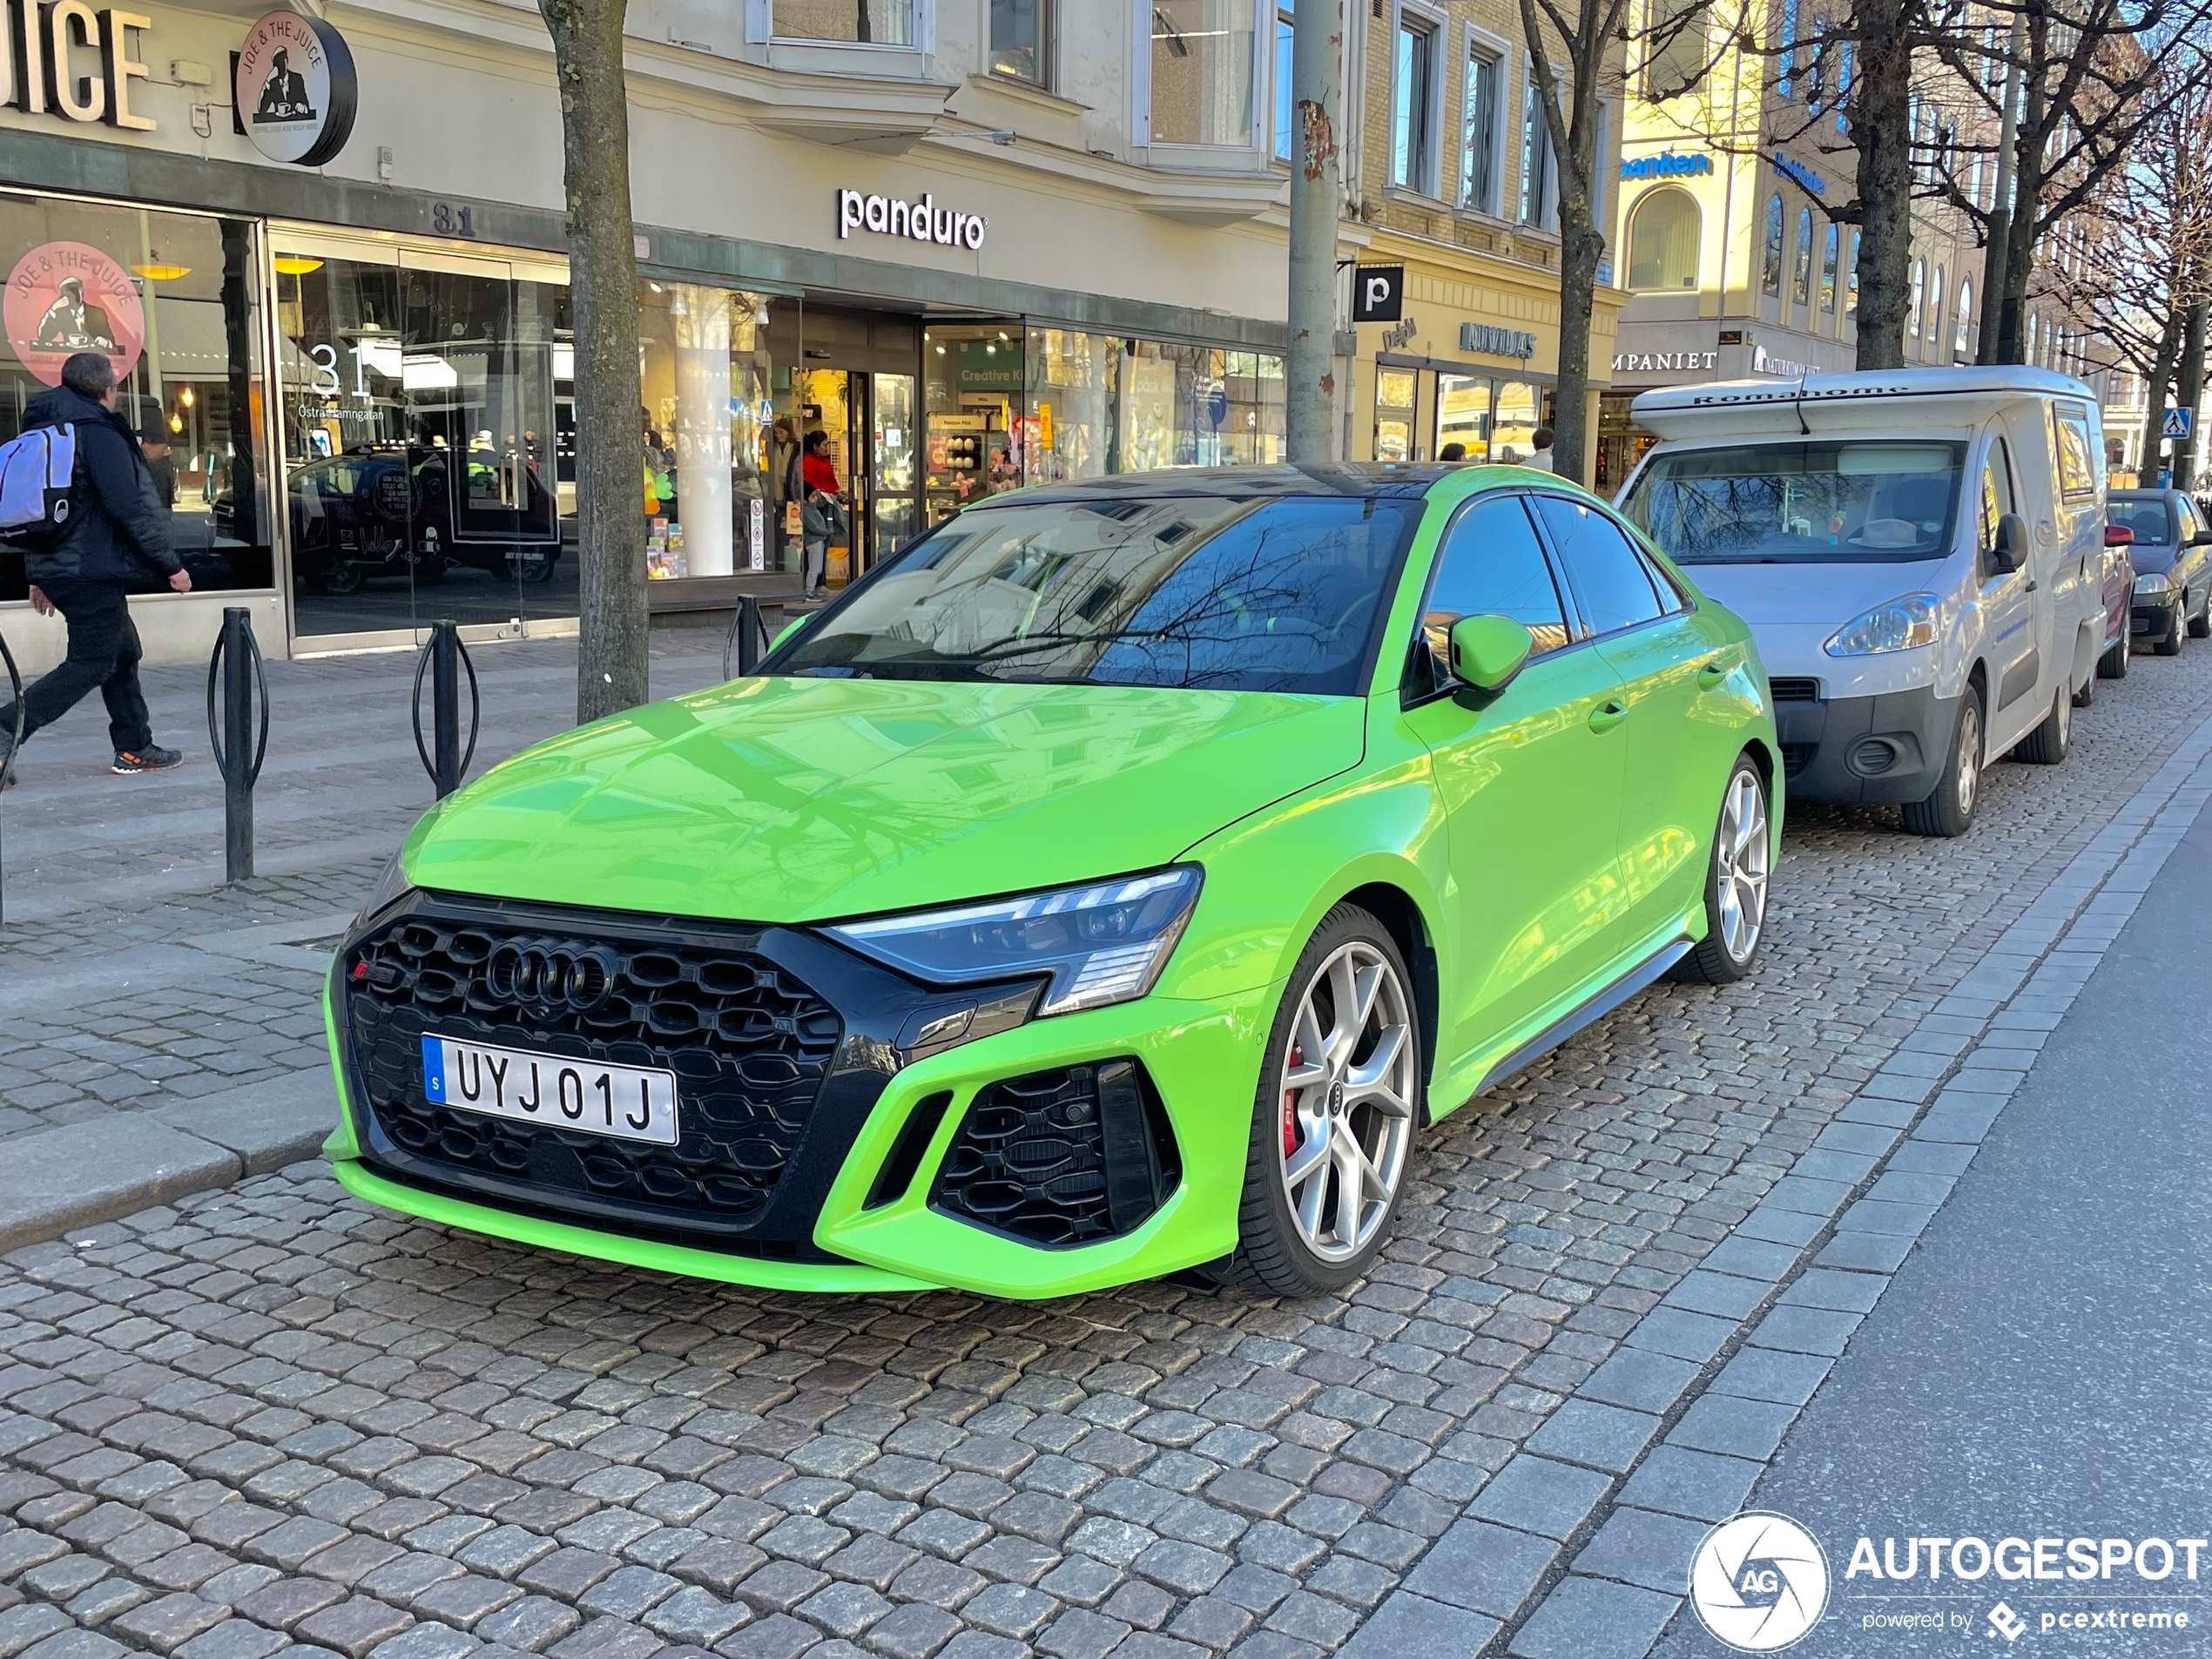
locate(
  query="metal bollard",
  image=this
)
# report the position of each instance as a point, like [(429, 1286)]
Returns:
[(444, 656), (15, 738), (748, 634), (237, 666)]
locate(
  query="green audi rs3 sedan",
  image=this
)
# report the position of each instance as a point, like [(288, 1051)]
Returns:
[(1117, 880)]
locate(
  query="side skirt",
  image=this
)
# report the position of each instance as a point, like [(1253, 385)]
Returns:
[(1644, 973)]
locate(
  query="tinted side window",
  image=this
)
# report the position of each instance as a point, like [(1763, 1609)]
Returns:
[(1609, 574), (1492, 565)]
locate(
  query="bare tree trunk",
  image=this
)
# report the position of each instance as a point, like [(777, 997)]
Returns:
[(1579, 244), (2161, 376), (612, 663), (1881, 129), (2191, 393)]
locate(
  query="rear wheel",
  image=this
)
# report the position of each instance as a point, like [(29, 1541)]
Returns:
[(1735, 883), (1339, 1093), (2046, 744), (1949, 808), (2113, 665), (2200, 623)]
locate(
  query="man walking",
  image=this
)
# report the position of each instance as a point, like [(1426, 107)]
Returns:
[(117, 533)]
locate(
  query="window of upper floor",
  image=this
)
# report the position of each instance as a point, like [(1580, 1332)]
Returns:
[(1417, 74), (1679, 53), (862, 22), (1285, 16), (1482, 124), (1201, 85), (1665, 229), (1538, 200), (1021, 40)]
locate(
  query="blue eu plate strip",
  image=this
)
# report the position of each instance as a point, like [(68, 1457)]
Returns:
[(434, 1069)]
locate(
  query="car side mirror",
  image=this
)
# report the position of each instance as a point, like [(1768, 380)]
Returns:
[(2201, 538), (786, 632), (1487, 651), (2011, 551), (2119, 536)]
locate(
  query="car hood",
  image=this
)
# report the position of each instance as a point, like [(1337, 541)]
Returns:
[(2151, 559), (787, 801), (1806, 594)]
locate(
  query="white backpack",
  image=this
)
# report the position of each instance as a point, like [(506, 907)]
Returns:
[(36, 468)]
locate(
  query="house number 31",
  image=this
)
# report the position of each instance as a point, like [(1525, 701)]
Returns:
[(450, 220)]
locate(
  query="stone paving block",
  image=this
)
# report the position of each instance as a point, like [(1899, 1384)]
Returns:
[(76, 1644), (1484, 1568), (1717, 1293), (1537, 1495), (1843, 1292), (1806, 1329), (232, 1639), (1700, 1485), (1607, 1437), (1592, 1618), (1736, 1427), (1643, 1547), (1744, 1257), (1866, 1252), (1681, 1334), (352, 1626), (1869, 1215), (1770, 1373), (169, 1622), (1413, 1624)]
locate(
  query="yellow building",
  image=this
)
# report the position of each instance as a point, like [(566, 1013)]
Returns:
[(1455, 182)]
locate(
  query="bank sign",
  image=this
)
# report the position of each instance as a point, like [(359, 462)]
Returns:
[(915, 221), (1665, 164)]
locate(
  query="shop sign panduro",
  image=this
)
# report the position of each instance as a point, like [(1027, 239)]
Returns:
[(294, 88), (62, 58), (916, 221)]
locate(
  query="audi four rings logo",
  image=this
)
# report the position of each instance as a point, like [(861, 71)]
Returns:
[(551, 976)]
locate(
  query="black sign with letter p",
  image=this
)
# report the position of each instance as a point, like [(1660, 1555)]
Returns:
[(1377, 292)]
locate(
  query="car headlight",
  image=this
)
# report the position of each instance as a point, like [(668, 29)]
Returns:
[(1899, 625), (2152, 582), (390, 889), (1100, 944)]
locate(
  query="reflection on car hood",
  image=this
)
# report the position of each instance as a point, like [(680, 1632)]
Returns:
[(1810, 595), (782, 800), (2152, 558)]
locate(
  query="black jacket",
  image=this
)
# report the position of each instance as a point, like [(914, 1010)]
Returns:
[(121, 527)]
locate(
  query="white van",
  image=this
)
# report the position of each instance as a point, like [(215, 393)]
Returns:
[(1919, 553)]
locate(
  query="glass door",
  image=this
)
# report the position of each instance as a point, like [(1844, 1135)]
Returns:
[(895, 484)]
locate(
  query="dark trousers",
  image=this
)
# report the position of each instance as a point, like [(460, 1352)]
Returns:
[(103, 652)]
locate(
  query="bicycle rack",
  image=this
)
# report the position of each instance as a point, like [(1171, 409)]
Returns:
[(236, 665), (444, 655)]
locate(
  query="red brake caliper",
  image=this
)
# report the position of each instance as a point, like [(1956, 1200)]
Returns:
[(1289, 1109)]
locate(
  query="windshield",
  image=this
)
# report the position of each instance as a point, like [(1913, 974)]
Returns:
[(1280, 595), (1800, 502), (2148, 515)]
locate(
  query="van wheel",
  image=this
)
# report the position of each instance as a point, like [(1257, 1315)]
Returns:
[(2113, 665), (2170, 643), (1340, 1091), (1735, 884), (2046, 744), (1949, 809)]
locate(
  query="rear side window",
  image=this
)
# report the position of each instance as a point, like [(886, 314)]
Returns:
[(2149, 516), (2070, 444), (1610, 578), (1492, 565)]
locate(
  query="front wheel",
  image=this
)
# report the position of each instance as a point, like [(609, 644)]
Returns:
[(1333, 1128), (1949, 808), (1735, 883), (2169, 643)]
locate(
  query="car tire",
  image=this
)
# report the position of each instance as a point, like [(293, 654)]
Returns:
[(342, 578), (1293, 1238), (1735, 883), (2170, 643), (2200, 623), (2047, 744), (1949, 808), (2113, 665), (2086, 693)]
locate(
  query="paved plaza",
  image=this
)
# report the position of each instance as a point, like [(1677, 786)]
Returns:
[(262, 1414)]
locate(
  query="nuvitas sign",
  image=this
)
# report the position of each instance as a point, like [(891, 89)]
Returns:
[(917, 221)]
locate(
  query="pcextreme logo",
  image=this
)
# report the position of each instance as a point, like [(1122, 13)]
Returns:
[(1759, 1581)]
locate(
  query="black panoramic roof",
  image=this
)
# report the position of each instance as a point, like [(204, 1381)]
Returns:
[(1356, 479)]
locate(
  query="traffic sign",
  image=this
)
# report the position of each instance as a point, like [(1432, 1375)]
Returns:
[(2177, 422)]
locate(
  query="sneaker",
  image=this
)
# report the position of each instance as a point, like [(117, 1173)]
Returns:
[(152, 757)]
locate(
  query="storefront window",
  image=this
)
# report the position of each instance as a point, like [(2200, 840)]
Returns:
[(425, 404), (706, 374), (1514, 437), (1463, 414), (1395, 391), (974, 383), (172, 299), (1202, 72), (1101, 405)]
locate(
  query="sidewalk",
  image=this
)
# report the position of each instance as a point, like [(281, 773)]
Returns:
[(164, 1030)]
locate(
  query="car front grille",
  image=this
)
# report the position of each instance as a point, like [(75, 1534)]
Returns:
[(1061, 1157), (1795, 756), (1792, 690), (750, 1044)]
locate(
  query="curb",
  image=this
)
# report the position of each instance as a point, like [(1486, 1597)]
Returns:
[(109, 1167)]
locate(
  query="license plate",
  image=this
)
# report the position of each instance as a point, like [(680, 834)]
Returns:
[(629, 1103)]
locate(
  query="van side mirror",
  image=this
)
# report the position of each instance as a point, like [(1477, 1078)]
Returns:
[(1487, 651), (2011, 551), (2119, 536)]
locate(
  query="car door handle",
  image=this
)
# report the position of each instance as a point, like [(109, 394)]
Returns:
[(1608, 715), (1711, 675)]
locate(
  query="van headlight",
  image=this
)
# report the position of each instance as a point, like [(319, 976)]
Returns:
[(1899, 625), (1100, 944), (2153, 582)]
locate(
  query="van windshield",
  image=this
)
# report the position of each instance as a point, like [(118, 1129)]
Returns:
[(1811, 502)]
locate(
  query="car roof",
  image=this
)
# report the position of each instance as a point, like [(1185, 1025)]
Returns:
[(1371, 478), (2140, 494)]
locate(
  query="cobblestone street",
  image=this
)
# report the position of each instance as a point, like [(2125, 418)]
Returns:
[(270, 1415)]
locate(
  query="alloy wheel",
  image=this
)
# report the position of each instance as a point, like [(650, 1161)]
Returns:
[(1346, 1086), (1740, 857)]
